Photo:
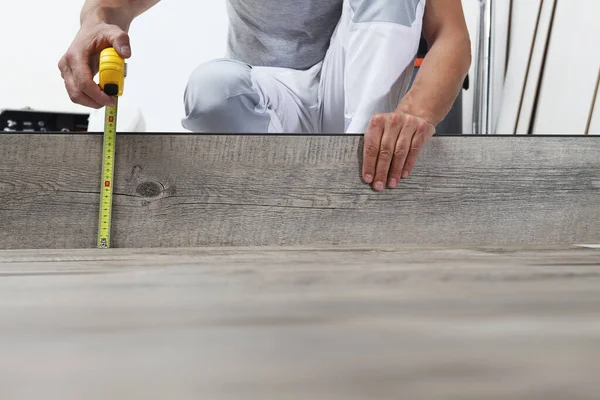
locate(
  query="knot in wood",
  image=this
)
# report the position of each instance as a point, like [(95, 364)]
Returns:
[(150, 189)]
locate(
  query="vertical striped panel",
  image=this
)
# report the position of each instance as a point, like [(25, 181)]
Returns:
[(568, 86)]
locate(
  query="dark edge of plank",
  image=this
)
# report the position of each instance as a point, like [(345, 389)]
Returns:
[(166, 133)]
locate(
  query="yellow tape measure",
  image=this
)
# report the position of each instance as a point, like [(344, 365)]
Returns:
[(108, 173), (112, 72)]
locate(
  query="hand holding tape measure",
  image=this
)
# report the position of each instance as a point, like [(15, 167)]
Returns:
[(112, 71)]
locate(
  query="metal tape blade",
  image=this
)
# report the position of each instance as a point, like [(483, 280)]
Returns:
[(108, 168)]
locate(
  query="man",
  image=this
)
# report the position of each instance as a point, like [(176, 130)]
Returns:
[(307, 66)]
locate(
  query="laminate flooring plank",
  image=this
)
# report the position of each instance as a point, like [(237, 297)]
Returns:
[(246, 190), (429, 322)]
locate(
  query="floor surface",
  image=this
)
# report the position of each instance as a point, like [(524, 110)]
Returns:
[(301, 323)]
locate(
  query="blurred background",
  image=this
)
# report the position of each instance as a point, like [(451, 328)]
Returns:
[(536, 66)]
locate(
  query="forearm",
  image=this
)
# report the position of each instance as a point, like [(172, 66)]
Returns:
[(439, 80), (116, 12)]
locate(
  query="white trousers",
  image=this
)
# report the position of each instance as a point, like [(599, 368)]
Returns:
[(367, 70)]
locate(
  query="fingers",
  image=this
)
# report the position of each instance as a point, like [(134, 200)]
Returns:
[(401, 151), (94, 63), (79, 64), (424, 133), (119, 41), (77, 96), (393, 142), (84, 82), (371, 147), (393, 126), (79, 82)]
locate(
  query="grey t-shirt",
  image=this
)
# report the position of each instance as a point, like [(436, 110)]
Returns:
[(281, 33)]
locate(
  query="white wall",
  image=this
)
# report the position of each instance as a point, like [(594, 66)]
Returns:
[(568, 87), (594, 128), (523, 29), (566, 43), (472, 10), (167, 43)]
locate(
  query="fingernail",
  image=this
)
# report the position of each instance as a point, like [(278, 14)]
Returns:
[(368, 178), (405, 174), (126, 51), (393, 182), (378, 186)]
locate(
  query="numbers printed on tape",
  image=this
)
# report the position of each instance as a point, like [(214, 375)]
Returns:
[(108, 149)]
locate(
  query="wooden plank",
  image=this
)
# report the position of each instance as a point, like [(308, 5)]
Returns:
[(524, 16), (535, 68), (568, 88), (230, 190), (314, 323)]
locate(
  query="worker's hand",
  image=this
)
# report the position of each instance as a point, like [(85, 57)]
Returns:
[(80, 63), (392, 143)]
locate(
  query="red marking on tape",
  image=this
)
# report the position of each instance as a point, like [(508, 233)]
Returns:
[(107, 183), (111, 119)]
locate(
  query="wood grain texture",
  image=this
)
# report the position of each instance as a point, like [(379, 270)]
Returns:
[(195, 190), (310, 323)]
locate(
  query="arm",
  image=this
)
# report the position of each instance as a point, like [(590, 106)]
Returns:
[(104, 23), (445, 66), (116, 12), (399, 136)]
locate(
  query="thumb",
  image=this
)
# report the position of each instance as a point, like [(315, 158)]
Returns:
[(119, 41)]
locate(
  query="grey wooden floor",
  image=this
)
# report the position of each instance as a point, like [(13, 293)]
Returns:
[(301, 323)]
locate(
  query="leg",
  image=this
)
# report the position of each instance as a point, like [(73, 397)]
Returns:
[(220, 98), (232, 97), (370, 61)]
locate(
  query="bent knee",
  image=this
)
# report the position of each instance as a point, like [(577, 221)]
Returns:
[(212, 85)]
